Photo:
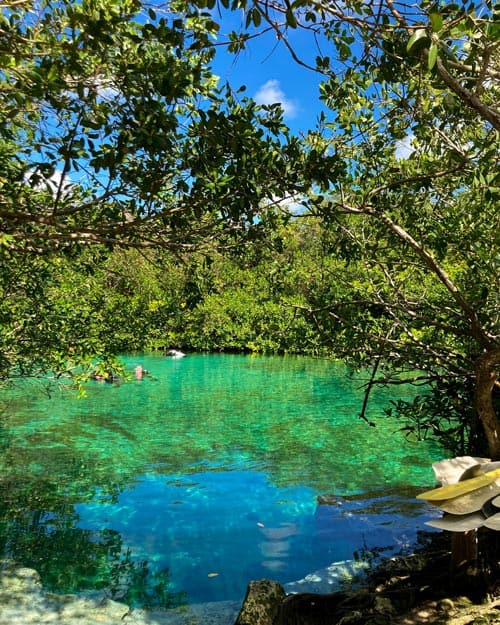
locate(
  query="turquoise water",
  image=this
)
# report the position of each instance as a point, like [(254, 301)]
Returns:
[(185, 485)]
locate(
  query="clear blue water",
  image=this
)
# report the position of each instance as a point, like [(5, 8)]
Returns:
[(184, 486)]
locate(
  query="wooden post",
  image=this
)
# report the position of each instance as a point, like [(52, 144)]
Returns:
[(465, 572), (464, 551)]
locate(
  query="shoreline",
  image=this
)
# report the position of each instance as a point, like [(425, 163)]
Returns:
[(24, 601), (402, 590)]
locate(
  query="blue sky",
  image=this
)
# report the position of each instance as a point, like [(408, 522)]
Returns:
[(271, 75), (269, 72)]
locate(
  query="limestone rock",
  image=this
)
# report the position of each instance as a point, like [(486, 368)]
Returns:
[(262, 603), (73, 608), (24, 601), (20, 580)]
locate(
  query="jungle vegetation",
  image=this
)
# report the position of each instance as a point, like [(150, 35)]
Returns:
[(143, 205)]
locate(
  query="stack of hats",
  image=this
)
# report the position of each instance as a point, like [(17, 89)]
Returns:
[(469, 495)]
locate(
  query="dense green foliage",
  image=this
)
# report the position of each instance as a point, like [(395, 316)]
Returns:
[(114, 134), (417, 231)]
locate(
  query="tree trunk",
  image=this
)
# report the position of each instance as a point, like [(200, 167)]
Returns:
[(486, 378)]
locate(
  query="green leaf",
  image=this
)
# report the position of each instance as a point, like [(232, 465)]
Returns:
[(256, 17), (291, 20), (6, 239), (419, 36), (432, 56), (436, 22)]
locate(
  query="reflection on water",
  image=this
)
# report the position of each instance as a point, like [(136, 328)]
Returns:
[(186, 484)]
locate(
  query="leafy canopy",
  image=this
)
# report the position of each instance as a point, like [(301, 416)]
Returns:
[(113, 131)]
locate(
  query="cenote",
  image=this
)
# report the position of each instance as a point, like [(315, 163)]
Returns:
[(210, 472)]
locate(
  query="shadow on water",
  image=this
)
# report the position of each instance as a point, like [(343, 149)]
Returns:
[(183, 486)]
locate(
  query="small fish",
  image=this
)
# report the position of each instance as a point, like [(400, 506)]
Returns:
[(213, 574), (261, 524)]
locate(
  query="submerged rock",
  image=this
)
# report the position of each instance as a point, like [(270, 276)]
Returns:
[(328, 499), (331, 578)]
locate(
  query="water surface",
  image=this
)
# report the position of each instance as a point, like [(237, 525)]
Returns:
[(185, 485)]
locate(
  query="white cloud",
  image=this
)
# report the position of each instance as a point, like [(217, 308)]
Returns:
[(405, 147), (52, 184), (106, 90), (291, 205), (102, 87), (271, 93)]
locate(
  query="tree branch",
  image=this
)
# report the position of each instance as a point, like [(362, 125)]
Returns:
[(479, 333), (467, 97)]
